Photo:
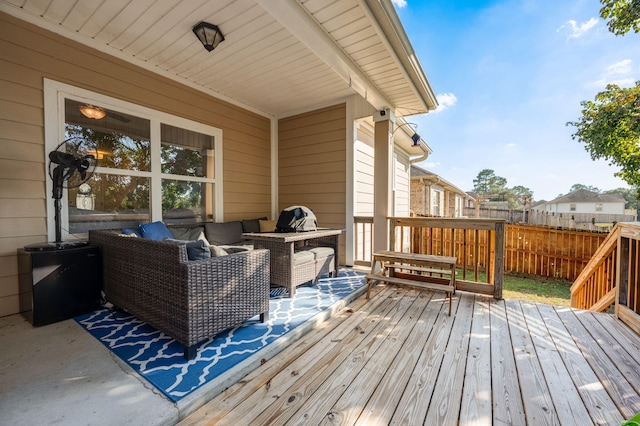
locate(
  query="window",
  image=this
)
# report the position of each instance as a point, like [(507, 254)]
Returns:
[(151, 166), (572, 207), (598, 207)]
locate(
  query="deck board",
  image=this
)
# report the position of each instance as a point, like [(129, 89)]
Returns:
[(400, 359)]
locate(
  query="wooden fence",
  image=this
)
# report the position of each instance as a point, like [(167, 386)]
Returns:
[(549, 252)]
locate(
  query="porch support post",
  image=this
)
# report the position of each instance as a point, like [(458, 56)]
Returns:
[(382, 179)]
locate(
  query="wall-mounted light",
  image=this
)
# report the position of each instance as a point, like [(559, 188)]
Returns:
[(415, 137), (91, 111), (209, 35)]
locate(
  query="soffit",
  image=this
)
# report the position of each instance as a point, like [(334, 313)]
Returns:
[(262, 64)]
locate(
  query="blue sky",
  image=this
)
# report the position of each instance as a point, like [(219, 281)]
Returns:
[(508, 75)]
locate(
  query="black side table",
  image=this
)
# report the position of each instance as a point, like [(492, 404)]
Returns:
[(59, 284)]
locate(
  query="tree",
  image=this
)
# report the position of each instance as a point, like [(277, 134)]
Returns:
[(630, 196), (623, 15), (578, 186), (487, 183), (610, 129)]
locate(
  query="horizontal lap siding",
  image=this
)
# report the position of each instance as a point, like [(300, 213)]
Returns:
[(312, 164), (30, 54)]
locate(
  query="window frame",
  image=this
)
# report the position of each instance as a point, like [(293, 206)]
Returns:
[(55, 94)]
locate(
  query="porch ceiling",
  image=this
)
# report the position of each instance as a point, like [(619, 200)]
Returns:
[(278, 58)]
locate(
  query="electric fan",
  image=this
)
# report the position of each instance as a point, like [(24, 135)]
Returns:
[(70, 164)]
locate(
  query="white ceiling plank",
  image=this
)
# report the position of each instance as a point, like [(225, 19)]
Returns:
[(79, 14), (58, 10), (141, 25), (107, 11), (122, 22)]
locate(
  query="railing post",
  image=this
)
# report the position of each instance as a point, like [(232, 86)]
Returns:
[(498, 263)]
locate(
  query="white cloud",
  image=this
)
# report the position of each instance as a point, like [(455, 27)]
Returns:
[(399, 3), (510, 145), (430, 165), (619, 73), (578, 30), (445, 101)]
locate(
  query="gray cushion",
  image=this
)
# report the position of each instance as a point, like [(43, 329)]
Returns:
[(252, 225), (303, 256), (320, 252), (223, 233), (187, 234)]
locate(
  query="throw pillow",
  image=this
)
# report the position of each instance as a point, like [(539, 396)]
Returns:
[(268, 225), (217, 251), (196, 250), (155, 231)]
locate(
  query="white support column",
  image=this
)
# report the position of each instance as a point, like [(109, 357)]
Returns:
[(382, 180), (350, 137), (274, 168)]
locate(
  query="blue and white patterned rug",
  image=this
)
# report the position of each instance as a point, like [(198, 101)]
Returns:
[(159, 359)]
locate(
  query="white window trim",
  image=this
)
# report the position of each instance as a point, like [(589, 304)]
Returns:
[(55, 93)]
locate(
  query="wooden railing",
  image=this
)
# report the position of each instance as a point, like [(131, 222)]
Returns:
[(612, 275), (478, 244)]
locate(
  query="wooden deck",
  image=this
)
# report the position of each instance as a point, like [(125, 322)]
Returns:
[(399, 359)]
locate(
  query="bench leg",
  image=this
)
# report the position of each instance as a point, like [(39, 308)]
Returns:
[(450, 297)]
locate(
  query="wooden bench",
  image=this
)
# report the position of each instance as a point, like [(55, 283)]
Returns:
[(413, 269)]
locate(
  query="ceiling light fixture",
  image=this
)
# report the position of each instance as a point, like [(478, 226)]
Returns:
[(209, 35), (91, 111)]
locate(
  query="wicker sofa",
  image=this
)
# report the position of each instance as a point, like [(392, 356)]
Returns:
[(189, 300)]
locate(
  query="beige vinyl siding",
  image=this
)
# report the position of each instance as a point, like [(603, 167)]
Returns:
[(30, 54), (312, 164), (364, 153), (402, 193)]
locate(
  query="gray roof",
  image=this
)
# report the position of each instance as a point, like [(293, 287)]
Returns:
[(586, 196)]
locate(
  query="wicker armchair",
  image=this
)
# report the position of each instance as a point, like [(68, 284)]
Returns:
[(188, 300)]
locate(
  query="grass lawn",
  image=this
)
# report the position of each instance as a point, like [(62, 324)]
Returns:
[(551, 291)]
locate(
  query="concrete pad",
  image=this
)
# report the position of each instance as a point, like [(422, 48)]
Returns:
[(60, 374)]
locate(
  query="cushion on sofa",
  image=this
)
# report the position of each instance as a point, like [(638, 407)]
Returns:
[(252, 225), (196, 250), (189, 234), (222, 233), (303, 256), (155, 231), (267, 225), (319, 252)]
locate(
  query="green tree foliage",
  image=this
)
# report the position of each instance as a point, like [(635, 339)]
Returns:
[(610, 129), (577, 186), (623, 15), (487, 183), (494, 188), (630, 196)]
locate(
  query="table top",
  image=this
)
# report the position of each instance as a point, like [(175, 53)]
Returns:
[(287, 237)]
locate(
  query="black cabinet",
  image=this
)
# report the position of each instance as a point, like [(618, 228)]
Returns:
[(59, 284)]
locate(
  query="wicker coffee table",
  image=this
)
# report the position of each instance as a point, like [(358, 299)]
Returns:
[(299, 257)]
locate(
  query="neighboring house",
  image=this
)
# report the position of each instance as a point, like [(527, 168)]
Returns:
[(584, 201), (431, 195), (280, 113)]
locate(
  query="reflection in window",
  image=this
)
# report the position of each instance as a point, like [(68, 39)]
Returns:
[(118, 202), (186, 201)]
